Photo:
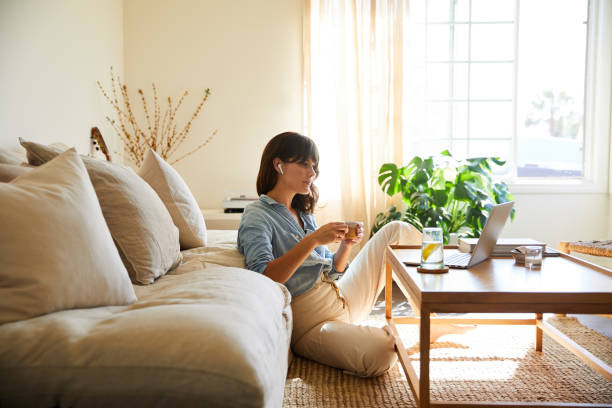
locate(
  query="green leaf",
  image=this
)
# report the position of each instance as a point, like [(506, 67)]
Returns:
[(388, 178), (421, 177), (415, 162), (440, 197), (498, 161), (463, 191), (428, 164)]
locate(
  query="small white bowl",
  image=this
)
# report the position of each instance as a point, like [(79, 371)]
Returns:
[(519, 257)]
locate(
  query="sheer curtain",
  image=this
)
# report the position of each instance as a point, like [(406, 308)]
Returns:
[(355, 64)]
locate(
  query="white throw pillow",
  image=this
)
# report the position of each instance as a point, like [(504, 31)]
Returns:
[(56, 249), (10, 171), (12, 155), (140, 224), (177, 198)]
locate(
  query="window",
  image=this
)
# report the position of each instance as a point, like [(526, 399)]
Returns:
[(517, 79)]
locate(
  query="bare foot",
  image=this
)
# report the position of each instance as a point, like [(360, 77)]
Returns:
[(438, 330)]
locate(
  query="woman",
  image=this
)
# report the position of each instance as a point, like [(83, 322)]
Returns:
[(279, 237)]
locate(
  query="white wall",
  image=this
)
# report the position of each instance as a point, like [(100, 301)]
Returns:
[(560, 217), (248, 53), (51, 54)]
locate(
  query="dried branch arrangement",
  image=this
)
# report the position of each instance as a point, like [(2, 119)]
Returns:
[(161, 132)]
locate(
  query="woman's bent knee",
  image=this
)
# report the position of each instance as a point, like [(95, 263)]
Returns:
[(365, 351), (400, 232), (378, 352)]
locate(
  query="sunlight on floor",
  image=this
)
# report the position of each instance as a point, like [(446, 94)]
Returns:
[(486, 353), (470, 370)]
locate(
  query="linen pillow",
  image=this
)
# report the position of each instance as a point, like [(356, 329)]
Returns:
[(36, 157), (9, 171), (140, 224), (177, 198), (12, 155), (57, 252)]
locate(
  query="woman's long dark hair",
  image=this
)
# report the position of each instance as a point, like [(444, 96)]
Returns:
[(290, 147)]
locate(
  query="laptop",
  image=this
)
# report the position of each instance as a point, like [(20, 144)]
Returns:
[(491, 231)]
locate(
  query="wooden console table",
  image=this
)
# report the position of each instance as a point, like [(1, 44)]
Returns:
[(564, 284), (216, 219), (596, 248)]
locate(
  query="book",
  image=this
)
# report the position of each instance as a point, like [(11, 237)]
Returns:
[(502, 247)]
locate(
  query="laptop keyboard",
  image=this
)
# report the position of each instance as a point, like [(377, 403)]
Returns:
[(458, 259)]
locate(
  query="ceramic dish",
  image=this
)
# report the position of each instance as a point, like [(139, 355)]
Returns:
[(519, 257)]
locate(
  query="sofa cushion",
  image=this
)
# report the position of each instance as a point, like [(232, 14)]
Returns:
[(15, 155), (177, 198), (9, 171), (140, 224), (214, 337), (57, 252)]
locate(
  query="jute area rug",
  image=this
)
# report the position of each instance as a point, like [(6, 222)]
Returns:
[(493, 363)]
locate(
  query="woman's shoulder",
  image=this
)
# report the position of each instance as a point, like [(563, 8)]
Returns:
[(256, 211), (255, 221)]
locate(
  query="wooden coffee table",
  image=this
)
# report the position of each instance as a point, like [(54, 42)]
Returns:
[(563, 284)]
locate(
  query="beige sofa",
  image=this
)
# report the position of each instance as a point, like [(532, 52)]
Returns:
[(203, 335), (206, 333)]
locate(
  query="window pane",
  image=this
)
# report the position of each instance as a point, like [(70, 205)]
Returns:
[(462, 42), (437, 120), (496, 10), (437, 81), (493, 148), (550, 94), (492, 42), (491, 120), (426, 148), (460, 120), (462, 10), (459, 149), (460, 81), (487, 148), (491, 81), (549, 157), (417, 11), (438, 42), (438, 10)]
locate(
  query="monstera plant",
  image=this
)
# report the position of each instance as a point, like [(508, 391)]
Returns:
[(440, 191)]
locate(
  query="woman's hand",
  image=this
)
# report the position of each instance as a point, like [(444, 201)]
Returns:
[(349, 242), (328, 233)]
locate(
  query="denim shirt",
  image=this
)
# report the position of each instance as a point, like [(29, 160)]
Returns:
[(268, 230)]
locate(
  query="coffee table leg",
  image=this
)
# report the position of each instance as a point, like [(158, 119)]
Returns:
[(424, 333), (388, 291), (539, 333)]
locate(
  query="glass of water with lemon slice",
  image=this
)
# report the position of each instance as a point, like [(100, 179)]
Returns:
[(432, 252)]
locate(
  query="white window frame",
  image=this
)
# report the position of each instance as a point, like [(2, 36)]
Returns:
[(597, 115), (597, 146)]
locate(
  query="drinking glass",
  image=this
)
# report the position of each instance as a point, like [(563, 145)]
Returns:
[(432, 253), (533, 257)]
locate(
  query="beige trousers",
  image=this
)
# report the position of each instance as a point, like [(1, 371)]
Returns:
[(325, 319)]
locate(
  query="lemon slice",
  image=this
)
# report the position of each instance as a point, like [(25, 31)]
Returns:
[(428, 249)]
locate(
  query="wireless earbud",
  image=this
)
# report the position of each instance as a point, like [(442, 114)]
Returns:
[(280, 168)]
